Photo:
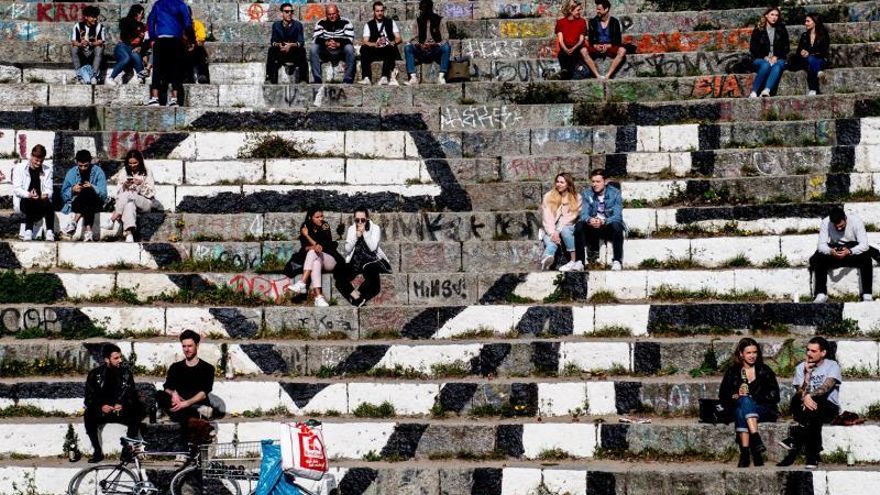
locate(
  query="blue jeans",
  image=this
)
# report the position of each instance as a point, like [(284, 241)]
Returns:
[(567, 235), (416, 55), (746, 408), (125, 57), (814, 65), (319, 54), (766, 76)]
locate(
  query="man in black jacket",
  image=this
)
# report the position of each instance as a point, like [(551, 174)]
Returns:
[(287, 47), (111, 397), (605, 40)]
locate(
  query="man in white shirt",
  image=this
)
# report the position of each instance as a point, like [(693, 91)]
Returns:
[(843, 241), (381, 37)]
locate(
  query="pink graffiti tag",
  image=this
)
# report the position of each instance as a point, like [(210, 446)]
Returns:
[(256, 285)]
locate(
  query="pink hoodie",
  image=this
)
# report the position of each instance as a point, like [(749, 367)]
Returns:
[(565, 215)]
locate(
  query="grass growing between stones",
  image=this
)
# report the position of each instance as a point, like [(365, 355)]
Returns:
[(872, 412), (534, 93), (846, 327), (738, 261), (677, 294), (653, 455), (467, 455), (664, 330), (670, 263), (368, 410), (267, 145), (778, 261), (858, 372), (555, 454), (611, 331), (46, 367), (604, 297), (29, 411), (37, 288)]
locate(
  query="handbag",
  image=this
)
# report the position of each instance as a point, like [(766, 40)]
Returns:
[(293, 267), (459, 70), (362, 256), (712, 411)]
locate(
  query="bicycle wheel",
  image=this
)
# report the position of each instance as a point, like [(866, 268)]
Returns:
[(191, 481), (104, 479)]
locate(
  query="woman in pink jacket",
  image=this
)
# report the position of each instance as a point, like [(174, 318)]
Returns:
[(559, 212)]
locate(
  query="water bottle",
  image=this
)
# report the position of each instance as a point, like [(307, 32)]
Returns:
[(850, 457)]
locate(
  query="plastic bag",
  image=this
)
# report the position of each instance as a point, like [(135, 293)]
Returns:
[(272, 478), (302, 450)]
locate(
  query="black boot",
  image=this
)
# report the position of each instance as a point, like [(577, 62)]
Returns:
[(743, 457), (96, 457), (757, 454), (755, 442)]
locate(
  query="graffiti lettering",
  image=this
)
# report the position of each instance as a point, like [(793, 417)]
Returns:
[(726, 86), (524, 9), (521, 29), (122, 141), (17, 319), (440, 288), (483, 117), (458, 11), (59, 12), (684, 64), (272, 289), (730, 40), (255, 12), (523, 70), (313, 12)]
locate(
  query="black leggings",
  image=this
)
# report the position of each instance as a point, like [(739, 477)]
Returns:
[(169, 57), (369, 288)]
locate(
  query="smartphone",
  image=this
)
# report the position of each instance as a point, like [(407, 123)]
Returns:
[(367, 225)]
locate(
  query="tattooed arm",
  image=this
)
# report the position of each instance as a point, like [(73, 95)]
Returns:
[(824, 389)]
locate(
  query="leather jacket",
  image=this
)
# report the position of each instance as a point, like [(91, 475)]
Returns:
[(96, 381)]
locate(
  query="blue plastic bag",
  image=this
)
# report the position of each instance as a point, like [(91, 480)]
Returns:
[(273, 481)]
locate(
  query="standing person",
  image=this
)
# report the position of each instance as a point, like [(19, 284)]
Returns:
[(605, 38), (333, 41), (362, 256), (380, 39), (130, 49), (196, 66), (32, 193), (430, 45), (317, 254), (287, 47), (570, 30), (184, 396), (601, 218), (168, 23), (84, 193), (87, 44), (816, 401), (559, 213), (843, 241), (812, 51), (135, 190), (750, 390), (769, 48), (111, 397)]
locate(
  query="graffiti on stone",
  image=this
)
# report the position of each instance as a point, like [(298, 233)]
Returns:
[(480, 117)]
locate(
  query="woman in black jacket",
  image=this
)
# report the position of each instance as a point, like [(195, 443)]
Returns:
[(812, 51), (317, 254), (769, 48), (750, 390)]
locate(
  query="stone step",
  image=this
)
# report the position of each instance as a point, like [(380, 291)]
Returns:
[(427, 359), (498, 398), (521, 478), (448, 439)]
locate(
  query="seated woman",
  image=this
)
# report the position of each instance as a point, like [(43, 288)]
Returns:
[(317, 254), (129, 50), (812, 51), (559, 212), (750, 391), (135, 193), (362, 256), (769, 48)]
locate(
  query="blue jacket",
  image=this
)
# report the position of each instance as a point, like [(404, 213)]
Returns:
[(293, 33), (613, 205), (170, 18), (96, 178)]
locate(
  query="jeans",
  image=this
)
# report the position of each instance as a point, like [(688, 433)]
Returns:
[(320, 53), (369, 288), (87, 203), (589, 237), (125, 57), (766, 76), (388, 55), (415, 54), (821, 263), (814, 65), (746, 408), (567, 235)]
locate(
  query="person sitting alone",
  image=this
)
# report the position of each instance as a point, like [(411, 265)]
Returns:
[(843, 241)]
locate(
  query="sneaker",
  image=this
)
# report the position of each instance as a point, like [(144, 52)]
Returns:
[(413, 80), (298, 288), (205, 412), (87, 236), (567, 267), (110, 225), (28, 235), (867, 297), (49, 236), (821, 298), (441, 78), (320, 302), (578, 266), (616, 266), (111, 81), (172, 102), (129, 237), (812, 462), (786, 443), (766, 92), (603, 78), (365, 81), (788, 460), (143, 75), (383, 81), (753, 95), (547, 262), (70, 229), (93, 81), (811, 93), (392, 81), (153, 102)]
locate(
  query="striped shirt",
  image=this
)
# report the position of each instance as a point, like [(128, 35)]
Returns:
[(340, 30)]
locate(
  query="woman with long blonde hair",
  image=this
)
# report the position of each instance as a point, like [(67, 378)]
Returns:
[(769, 49), (559, 212)]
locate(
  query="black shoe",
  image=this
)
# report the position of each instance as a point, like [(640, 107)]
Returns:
[(812, 462), (743, 457), (789, 459), (787, 444), (756, 444), (96, 458), (757, 455)]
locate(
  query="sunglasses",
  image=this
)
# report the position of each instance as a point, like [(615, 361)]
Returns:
[(360, 220), (286, 11)]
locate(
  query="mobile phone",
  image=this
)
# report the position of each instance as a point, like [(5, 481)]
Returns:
[(367, 226)]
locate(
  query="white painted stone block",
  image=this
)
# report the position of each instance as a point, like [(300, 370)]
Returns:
[(844, 281), (238, 397), (858, 395), (240, 95), (628, 284), (582, 320), (239, 363), (717, 280), (798, 248), (651, 190), (867, 158), (499, 319), (207, 173), (849, 482), (85, 285), (642, 219), (84, 256), (422, 357), (632, 316), (407, 398), (324, 143), (374, 144), (681, 163), (164, 354), (648, 138), (868, 212), (638, 250), (578, 439), (403, 190), (134, 319), (167, 171), (354, 440), (866, 313), (870, 130), (537, 286), (306, 171), (861, 354), (602, 398), (861, 439), (646, 163), (333, 397), (715, 251), (146, 285), (411, 150), (571, 481), (166, 197), (562, 399), (685, 137), (71, 406), (25, 140), (7, 145), (594, 355), (218, 145), (778, 282), (381, 171), (520, 481), (35, 254), (861, 182)]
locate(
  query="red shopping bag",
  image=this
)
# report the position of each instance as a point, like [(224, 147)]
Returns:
[(302, 451)]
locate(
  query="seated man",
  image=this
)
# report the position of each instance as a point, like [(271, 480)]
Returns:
[(184, 396), (381, 37), (605, 40), (601, 218), (843, 241), (287, 47), (332, 42), (32, 193), (83, 192), (111, 397), (87, 44), (429, 45)]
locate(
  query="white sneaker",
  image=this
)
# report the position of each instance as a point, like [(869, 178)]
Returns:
[(320, 302), (441, 78), (153, 102), (753, 95), (616, 266), (867, 297), (298, 288), (392, 81), (93, 81), (110, 225), (365, 81), (603, 78), (413, 80), (383, 81), (70, 229), (172, 102), (87, 236), (110, 81), (811, 93), (129, 237), (567, 267), (821, 298), (766, 92), (28, 235), (50, 236), (547, 262), (578, 266)]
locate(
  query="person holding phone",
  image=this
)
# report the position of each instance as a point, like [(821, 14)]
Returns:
[(768, 47), (84, 193), (135, 193), (815, 401), (32, 193), (87, 44), (362, 256), (843, 241), (429, 45), (317, 255), (601, 218)]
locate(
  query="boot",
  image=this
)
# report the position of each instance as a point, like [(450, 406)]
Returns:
[(757, 454), (743, 457), (756, 444)]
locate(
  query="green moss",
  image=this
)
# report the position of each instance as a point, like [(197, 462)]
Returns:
[(267, 145), (778, 261), (37, 288)]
